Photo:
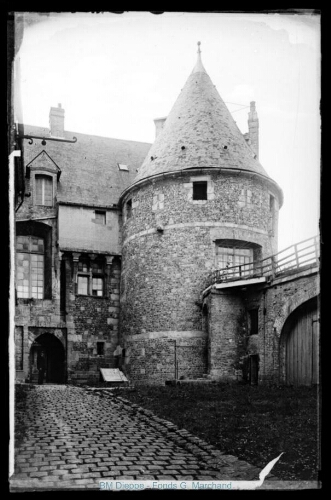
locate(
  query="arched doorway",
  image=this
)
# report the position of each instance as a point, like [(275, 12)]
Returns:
[(54, 355), (300, 345)]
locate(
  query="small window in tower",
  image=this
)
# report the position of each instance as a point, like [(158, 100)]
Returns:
[(272, 214), (100, 348), (254, 321), (100, 217), (200, 190), (128, 209)]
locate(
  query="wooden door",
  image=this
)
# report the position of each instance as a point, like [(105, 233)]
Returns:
[(302, 346)]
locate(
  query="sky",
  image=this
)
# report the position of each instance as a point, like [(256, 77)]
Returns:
[(114, 73)]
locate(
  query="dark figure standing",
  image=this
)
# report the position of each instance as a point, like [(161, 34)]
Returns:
[(41, 365)]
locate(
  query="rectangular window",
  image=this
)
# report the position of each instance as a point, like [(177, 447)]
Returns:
[(97, 287), (271, 203), (254, 321), (200, 190), (229, 257), (30, 267), (97, 267), (83, 266), (44, 190), (100, 217), (90, 278), (100, 348), (83, 285)]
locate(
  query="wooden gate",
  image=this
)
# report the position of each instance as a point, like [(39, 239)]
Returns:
[(301, 336)]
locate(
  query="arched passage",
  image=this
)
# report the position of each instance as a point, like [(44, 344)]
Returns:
[(299, 347), (54, 355)]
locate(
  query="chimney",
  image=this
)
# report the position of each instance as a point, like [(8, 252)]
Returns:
[(159, 123), (56, 121), (253, 129)]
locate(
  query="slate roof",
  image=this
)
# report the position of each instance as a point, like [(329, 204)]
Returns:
[(200, 122), (89, 170)]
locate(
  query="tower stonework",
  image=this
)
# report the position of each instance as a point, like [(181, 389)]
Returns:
[(200, 201)]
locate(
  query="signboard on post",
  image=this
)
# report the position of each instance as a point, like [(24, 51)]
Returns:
[(113, 375)]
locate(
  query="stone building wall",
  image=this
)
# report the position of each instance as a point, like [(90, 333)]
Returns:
[(39, 313), (281, 299), (169, 249), (91, 320), (165, 356), (230, 342), (240, 200), (226, 334), (85, 320)]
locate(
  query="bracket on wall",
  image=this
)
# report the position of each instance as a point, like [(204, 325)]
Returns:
[(44, 139)]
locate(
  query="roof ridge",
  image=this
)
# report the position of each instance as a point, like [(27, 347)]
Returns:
[(89, 135)]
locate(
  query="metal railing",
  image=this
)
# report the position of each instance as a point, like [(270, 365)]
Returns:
[(291, 259)]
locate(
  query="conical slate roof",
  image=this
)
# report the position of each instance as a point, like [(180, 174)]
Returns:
[(199, 132)]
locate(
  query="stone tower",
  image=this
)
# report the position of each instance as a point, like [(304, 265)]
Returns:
[(200, 201)]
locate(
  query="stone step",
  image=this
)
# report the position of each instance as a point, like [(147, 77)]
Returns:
[(190, 381)]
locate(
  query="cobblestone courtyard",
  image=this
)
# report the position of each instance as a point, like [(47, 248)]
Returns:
[(77, 437)]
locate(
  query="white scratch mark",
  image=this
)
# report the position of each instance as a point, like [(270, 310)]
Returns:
[(252, 485)]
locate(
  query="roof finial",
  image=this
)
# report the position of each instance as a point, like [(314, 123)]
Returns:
[(199, 66)]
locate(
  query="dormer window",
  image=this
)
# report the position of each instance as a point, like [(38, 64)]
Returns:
[(44, 175), (44, 190)]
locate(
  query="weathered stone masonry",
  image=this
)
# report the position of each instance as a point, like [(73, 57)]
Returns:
[(169, 250), (91, 320), (230, 342)]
